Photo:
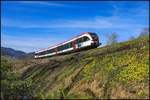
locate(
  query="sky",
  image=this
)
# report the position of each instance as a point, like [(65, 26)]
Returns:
[(33, 25)]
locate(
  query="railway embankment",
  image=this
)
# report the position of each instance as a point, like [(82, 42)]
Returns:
[(118, 71)]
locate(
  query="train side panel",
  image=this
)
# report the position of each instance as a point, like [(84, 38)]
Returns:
[(86, 43)]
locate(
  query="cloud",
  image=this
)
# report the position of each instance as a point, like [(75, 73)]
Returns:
[(41, 3), (135, 9), (98, 22), (29, 44), (121, 18)]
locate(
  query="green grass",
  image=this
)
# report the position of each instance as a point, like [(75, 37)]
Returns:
[(123, 63)]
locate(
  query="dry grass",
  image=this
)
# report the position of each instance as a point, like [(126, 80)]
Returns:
[(78, 88), (95, 89), (120, 92)]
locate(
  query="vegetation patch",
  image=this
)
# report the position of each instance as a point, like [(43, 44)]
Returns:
[(118, 71)]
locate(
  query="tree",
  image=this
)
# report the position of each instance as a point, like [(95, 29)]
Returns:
[(144, 33), (132, 38), (112, 38)]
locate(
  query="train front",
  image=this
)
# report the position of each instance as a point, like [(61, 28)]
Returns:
[(95, 39)]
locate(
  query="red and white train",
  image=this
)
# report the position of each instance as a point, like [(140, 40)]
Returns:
[(84, 41)]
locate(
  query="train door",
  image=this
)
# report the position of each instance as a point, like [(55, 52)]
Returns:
[(74, 46), (80, 44), (56, 51)]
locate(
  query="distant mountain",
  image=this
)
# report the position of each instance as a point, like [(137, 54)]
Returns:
[(11, 52)]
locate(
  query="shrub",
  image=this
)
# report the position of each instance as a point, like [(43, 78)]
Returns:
[(12, 86)]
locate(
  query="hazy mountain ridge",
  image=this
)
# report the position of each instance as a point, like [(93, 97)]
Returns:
[(5, 51)]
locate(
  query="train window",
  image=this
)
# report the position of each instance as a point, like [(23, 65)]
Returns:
[(58, 48), (85, 38), (48, 51), (80, 40), (41, 53), (51, 51), (67, 45), (77, 41), (45, 52), (94, 36), (62, 47), (71, 45)]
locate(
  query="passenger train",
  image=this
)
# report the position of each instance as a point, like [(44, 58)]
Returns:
[(86, 40)]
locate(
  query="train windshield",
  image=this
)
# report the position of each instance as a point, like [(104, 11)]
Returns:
[(94, 36)]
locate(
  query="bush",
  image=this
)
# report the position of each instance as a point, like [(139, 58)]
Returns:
[(12, 86)]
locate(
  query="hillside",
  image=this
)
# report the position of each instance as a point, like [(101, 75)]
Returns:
[(116, 71), (11, 52), (25, 56)]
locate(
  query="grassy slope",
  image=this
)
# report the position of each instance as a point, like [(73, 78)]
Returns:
[(116, 71)]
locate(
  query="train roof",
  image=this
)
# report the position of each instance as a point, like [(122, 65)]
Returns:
[(61, 43)]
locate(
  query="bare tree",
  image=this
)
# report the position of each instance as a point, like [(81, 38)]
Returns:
[(112, 38), (145, 32), (132, 38)]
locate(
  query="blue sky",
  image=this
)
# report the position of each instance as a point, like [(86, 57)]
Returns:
[(33, 25)]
